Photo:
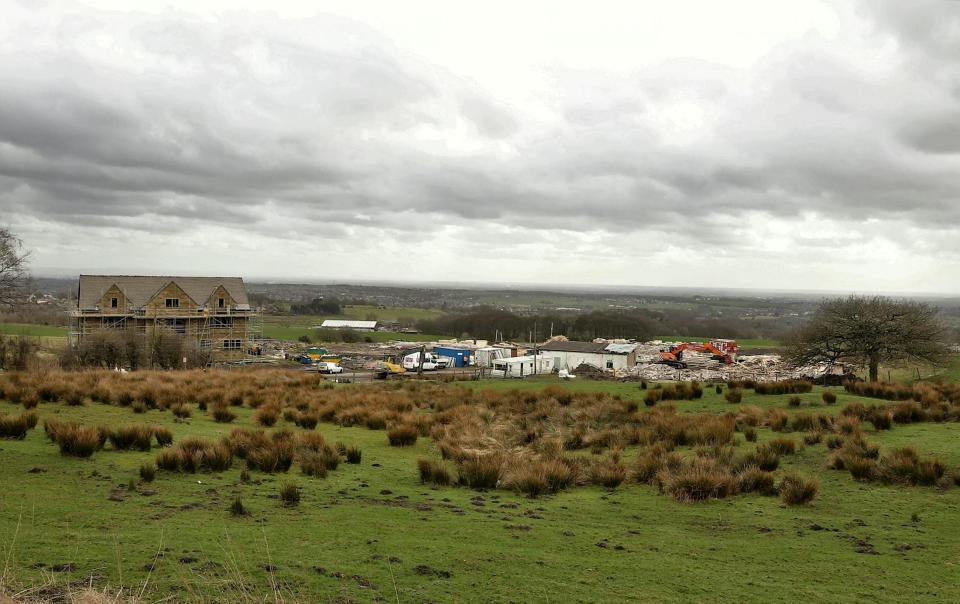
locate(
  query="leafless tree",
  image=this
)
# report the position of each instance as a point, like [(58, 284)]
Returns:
[(870, 331), (13, 267)]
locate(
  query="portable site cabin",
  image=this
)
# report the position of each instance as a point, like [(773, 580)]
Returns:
[(460, 356), (518, 367), (602, 355), (484, 357)]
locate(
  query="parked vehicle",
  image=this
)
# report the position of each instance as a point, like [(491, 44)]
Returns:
[(412, 362), (329, 368)]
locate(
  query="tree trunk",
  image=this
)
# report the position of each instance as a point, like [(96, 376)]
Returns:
[(874, 368)]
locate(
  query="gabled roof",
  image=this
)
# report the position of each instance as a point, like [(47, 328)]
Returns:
[(141, 289), (593, 347)]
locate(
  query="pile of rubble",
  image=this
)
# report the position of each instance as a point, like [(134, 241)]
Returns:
[(759, 368)]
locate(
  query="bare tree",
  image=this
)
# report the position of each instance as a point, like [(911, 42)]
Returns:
[(13, 267), (870, 331)]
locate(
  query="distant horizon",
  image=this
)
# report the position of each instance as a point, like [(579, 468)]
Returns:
[(718, 146), (539, 287)]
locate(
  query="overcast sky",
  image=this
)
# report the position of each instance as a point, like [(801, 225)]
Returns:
[(799, 145)]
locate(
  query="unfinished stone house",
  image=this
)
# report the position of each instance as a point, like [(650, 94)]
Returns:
[(210, 312)]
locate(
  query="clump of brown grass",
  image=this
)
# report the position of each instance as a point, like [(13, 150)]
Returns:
[(607, 473), (222, 414), (267, 416), (904, 465), (193, 454), (131, 436), (434, 472), (880, 418), (811, 422), (697, 479), (78, 440), (402, 435), (796, 489), (777, 419), (784, 387), (312, 464), (181, 410), (829, 397), (754, 480), (780, 446), (236, 508), (163, 435), (16, 426), (480, 470), (734, 395), (353, 454), (148, 471), (290, 493)]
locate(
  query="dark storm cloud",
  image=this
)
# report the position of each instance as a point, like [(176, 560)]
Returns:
[(326, 120)]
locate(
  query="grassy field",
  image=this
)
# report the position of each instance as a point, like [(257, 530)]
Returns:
[(371, 531), (359, 313), (22, 329)]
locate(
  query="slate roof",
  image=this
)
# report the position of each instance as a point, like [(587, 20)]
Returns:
[(141, 289), (597, 348)]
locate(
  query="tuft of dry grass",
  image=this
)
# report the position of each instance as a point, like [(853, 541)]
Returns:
[(132, 436), (754, 480), (267, 416), (480, 470), (148, 471), (434, 472), (697, 479), (402, 436), (796, 489), (222, 414), (290, 493), (16, 426)]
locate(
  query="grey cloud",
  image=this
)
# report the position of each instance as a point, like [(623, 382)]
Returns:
[(320, 118)]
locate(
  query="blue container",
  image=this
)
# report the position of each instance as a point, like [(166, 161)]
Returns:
[(460, 356)]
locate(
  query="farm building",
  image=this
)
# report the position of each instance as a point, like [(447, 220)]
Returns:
[(518, 367), (602, 355), (460, 356), (213, 312), (347, 324)]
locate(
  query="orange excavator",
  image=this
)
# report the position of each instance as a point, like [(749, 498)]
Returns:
[(720, 350)]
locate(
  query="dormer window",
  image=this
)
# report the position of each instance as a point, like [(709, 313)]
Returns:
[(173, 302), (219, 302), (114, 302)]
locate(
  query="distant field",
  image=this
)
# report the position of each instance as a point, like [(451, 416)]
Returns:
[(749, 343), (292, 333), (358, 313), (22, 329)]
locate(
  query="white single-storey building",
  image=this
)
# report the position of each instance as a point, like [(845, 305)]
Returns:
[(518, 367), (602, 355), (346, 324)]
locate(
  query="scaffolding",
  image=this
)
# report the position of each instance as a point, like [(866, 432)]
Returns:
[(200, 327)]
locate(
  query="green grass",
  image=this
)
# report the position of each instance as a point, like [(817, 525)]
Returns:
[(18, 329), (359, 313), (748, 548)]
